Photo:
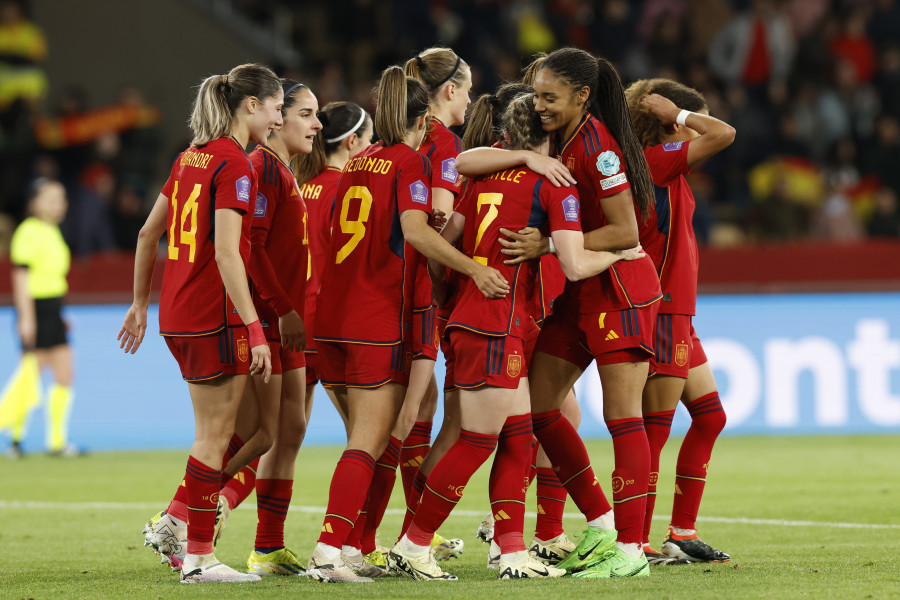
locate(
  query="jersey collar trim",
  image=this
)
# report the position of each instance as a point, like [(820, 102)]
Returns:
[(274, 154), (565, 146)]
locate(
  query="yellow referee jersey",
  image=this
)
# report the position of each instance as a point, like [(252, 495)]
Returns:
[(40, 247)]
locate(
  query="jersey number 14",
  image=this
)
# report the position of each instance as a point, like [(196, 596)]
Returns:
[(186, 237)]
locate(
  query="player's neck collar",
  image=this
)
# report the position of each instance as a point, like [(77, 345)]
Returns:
[(563, 146)]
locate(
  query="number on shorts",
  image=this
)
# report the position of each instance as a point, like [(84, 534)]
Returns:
[(187, 237), (356, 228), (492, 200)]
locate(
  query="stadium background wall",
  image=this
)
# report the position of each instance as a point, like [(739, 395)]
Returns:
[(785, 363)]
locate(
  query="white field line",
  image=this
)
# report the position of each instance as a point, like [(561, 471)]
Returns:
[(39, 505)]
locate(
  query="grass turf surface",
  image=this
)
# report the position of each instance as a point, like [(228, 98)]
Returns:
[(71, 528)]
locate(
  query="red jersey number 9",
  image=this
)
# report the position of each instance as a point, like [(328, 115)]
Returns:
[(356, 228), (492, 200), (186, 237)]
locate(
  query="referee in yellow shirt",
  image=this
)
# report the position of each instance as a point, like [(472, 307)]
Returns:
[(40, 260)]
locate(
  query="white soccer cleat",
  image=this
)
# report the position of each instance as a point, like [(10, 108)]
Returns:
[(223, 511), (524, 566), (362, 567), (485, 531), (321, 568), (206, 568), (493, 556), (421, 566), (168, 538), (551, 552), (446, 548)]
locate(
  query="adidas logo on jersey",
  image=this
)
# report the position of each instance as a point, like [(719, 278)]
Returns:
[(612, 335)]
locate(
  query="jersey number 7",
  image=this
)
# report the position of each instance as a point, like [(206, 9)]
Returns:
[(492, 200)]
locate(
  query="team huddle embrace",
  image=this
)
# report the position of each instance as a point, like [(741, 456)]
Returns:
[(555, 234)]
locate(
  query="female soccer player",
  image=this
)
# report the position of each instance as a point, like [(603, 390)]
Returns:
[(40, 260), (612, 314), (365, 301), (673, 123), (206, 311), (489, 349)]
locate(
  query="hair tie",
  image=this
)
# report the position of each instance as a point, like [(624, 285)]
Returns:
[(419, 62), (292, 88), (359, 123), (450, 76)]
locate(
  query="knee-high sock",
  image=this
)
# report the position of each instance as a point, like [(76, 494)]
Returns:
[(380, 493), (346, 496), (412, 501), (630, 477), (658, 425), (508, 482), (239, 487), (273, 497), (21, 394), (202, 484), (708, 420), (415, 447), (551, 503), (446, 483), (570, 462), (59, 404)]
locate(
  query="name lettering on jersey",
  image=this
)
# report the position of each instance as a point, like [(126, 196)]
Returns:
[(370, 164), (419, 192), (262, 204), (672, 146), (608, 163), (448, 170), (310, 192), (613, 181), (195, 159), (570, 208), (509, 175), (242, 188)]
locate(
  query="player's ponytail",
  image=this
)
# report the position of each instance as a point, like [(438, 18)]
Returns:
[(483, 122), (339, 121), (219, 96), (401, 100), (435, 67), (522, 125), (646, 126)]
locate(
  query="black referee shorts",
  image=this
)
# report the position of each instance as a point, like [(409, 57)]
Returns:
[(51, 329)]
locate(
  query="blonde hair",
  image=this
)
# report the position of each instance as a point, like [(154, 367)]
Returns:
[(401, 100), (435, 67), (219, 96), (522, 124)]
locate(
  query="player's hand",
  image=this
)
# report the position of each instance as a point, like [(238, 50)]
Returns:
[(262, 362), (550, 168), (133, 329), (491, 283), (293, 332), (526, 244), (662, 108), (633, 253), (437, 220), (27, 331)]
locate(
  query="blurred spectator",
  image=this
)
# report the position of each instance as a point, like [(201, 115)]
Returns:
[(887, 82), (22, 48), (882, 158), (853, 45), (836, 220), (884, 22), (885, 220)]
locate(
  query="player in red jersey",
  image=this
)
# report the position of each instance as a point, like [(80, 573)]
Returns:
[(608, 318), (487, 340), (365, 301), (206, 311), (673, 123)]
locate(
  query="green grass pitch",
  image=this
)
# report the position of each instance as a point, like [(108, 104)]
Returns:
[(810, 517)]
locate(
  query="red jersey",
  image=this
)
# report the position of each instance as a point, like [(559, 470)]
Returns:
[(512, 199), (668, 237), (550, 284), (278, 263), (441, 147), (366, 292), (318, 193), (594, 157), (203, 180)]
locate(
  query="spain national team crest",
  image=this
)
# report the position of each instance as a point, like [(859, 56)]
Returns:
[(514, 365), (570, 163), (681, 354), (243, 349)]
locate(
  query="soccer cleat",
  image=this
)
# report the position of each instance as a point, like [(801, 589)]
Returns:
[(168, 538), (692, 548), (446, 548), (206, 568), (420, 568), (616, 563), (553, 551), (594, 545), (277, 562), (223, 511), (15, 451), (485, 531), (655, 557), (331, 571), (377, 557), (525, 566), (361, 566), (493, 555)]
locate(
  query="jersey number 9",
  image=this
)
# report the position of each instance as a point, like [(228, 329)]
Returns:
[(356, 228)]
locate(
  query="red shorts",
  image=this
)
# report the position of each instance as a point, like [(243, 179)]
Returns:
[(206, 357), (530, 334), (312, 371), (560, 337), (677, 348), (284, 360), (447, 351), (487, 360), (425, 339), (620, 336), (363, 365)]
